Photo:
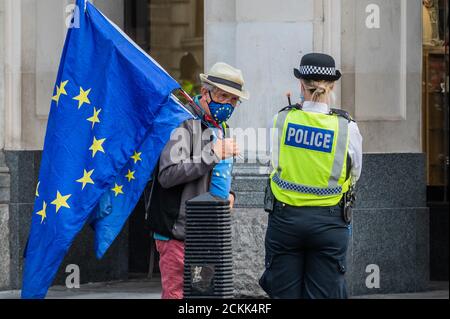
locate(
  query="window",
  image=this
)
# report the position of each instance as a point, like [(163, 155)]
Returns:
[(172, 32), (435, 96)]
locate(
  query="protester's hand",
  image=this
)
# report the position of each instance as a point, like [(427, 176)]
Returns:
[(231, 199), (225, 148)]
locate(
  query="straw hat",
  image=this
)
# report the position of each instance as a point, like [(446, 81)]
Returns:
[(226, 78)]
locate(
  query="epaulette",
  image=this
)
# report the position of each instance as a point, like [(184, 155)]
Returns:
[(343, 114), (291, 107)]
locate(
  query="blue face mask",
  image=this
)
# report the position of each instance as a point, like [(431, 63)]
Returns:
[(220, 112)]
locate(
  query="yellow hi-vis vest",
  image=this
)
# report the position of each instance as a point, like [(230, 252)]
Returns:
[(309, 158)]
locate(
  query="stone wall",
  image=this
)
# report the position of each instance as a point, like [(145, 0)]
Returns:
[(265, 39)]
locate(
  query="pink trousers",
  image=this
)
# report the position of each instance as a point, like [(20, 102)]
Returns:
[(171, 265)]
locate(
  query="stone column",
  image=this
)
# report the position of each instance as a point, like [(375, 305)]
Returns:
[(381, 82), (5, 259), (266, 40), (12, 74), (5, 280), (381, 87), (2, 74)]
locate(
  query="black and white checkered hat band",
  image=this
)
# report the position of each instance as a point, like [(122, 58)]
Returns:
[(311, 69)]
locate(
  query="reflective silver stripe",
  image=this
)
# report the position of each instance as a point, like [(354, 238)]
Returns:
[(279, 125), (339, 156), (319, 191)]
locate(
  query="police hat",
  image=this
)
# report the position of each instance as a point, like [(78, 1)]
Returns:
[(317, 66)]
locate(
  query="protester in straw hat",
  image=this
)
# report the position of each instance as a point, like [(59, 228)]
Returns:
[(182, 174)]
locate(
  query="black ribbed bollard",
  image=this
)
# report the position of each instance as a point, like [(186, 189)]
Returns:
[(208, 260)]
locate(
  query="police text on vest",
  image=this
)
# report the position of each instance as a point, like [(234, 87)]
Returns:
[(308, 137)]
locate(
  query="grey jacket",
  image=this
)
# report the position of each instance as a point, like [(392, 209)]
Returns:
[(187, 159)]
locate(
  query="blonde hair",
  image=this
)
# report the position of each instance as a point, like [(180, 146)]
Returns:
[(320, 90)]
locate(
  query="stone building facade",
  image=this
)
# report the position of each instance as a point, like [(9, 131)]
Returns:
[(381, 86)]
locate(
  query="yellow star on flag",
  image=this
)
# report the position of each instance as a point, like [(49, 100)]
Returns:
[(97, 146), (130, 175), (37, 189), (83, 97), (117, 189), (94, 118), (136, 157), (61, 89), (61, 201), (86, 179), (42, 212)]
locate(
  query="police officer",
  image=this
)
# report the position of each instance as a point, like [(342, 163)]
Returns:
[(316, 160)]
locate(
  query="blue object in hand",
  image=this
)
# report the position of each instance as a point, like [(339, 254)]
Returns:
[(221, 178), (220, 185)]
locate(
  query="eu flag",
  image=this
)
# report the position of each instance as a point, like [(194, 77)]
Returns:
[(111, 114), (115, 207)]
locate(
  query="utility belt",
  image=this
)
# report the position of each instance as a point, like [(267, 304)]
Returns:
[(346, 203)]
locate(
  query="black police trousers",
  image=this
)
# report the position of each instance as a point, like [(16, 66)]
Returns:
[(305, 253)]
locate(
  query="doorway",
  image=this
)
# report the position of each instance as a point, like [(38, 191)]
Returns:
[(172, 33), (435, 129)]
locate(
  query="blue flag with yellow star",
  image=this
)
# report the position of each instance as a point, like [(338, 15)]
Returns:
[(110, 116), (115, 206)]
